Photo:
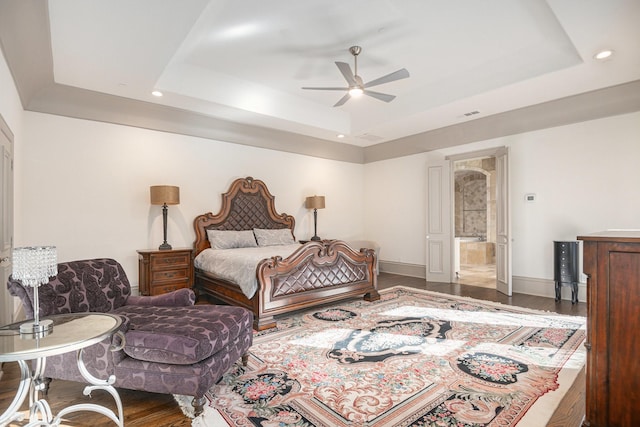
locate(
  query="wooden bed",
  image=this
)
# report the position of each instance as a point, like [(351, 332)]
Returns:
[(316, 273)]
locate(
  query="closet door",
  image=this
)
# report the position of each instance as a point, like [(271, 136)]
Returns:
[(503, 224), (439, 230)]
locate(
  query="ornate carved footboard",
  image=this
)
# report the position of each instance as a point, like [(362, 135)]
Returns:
[(317, 273)]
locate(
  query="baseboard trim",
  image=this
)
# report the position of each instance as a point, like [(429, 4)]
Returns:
[(521, 285), (546, 288), (403, 269)]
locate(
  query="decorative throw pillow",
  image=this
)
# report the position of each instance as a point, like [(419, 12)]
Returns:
[(273, 237), (231, 239)]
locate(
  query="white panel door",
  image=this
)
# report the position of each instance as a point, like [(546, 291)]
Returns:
[(6, 225), (438, 262), (503, 224)]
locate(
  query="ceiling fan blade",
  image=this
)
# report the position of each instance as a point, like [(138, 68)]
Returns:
[(396, 75), (326, 88), (345, 69), (381, 96), (342, 100)]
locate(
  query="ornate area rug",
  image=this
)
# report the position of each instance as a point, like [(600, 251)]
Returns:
[(414, 358)]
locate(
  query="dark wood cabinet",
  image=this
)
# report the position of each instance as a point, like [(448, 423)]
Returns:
[(162, 271), (565, 268), (612, 264)]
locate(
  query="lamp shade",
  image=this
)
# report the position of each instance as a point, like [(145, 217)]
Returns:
[(34, 265), (165, 194), (314, 202)]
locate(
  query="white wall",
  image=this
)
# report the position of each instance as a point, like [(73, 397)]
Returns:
[(10, 106), (85, 187), (585, 177), (11, 112)]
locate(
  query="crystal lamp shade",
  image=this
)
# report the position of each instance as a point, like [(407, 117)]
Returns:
[(34, 265)]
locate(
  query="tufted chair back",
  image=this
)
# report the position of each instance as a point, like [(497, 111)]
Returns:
[(95, 285)]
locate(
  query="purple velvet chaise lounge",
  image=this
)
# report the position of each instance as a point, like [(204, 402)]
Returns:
[(171, 345)]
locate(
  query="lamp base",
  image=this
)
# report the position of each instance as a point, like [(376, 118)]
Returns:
[(316, 238), (31, 330), (164, 247)]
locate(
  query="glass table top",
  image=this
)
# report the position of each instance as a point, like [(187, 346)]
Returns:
[(70, 332)]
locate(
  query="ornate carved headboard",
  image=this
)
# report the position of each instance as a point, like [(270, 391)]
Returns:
[(247, 205)]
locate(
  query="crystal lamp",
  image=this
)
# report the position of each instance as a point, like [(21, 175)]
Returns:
[(33, 266)]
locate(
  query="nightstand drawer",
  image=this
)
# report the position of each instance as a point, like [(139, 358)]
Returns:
[(163, 261), (163, 289), (169, 275)]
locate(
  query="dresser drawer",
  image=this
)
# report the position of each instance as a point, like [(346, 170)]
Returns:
[(567, 278), (164, 261)]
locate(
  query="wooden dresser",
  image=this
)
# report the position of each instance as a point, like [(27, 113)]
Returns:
[(612, 264), (164, 271)]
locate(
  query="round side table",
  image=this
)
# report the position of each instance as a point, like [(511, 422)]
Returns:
[(71, 332)]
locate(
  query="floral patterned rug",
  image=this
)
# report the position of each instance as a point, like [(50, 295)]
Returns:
[(414, 358)]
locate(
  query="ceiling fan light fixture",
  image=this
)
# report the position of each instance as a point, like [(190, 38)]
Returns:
[(356, 86), (603, 54)]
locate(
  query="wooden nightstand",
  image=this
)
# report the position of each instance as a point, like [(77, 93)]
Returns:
[(160, 272)]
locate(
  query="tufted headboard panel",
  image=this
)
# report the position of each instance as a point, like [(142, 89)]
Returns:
[(247, 205)]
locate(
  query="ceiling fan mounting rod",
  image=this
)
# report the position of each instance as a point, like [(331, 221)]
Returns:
[(355, 51), (355, 84)]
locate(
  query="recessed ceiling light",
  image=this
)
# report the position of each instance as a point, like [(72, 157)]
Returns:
[(156, 93), (603, 54), (340, 135)]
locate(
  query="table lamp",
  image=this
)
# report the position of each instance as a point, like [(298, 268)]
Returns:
[(315, 203), (33, 266), (164, 195)]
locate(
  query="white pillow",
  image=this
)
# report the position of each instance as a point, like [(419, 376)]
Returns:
[(273, 237), (231, 239)]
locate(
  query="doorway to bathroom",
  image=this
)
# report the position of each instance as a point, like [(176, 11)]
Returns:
[(474, 205), (440, 237)]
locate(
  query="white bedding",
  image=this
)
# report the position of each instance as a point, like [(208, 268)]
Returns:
[(239, 265)]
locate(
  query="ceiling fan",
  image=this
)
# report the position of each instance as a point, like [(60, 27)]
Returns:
[(356, 86)]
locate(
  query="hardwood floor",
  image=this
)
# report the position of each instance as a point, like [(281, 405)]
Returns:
[(159, 410)]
